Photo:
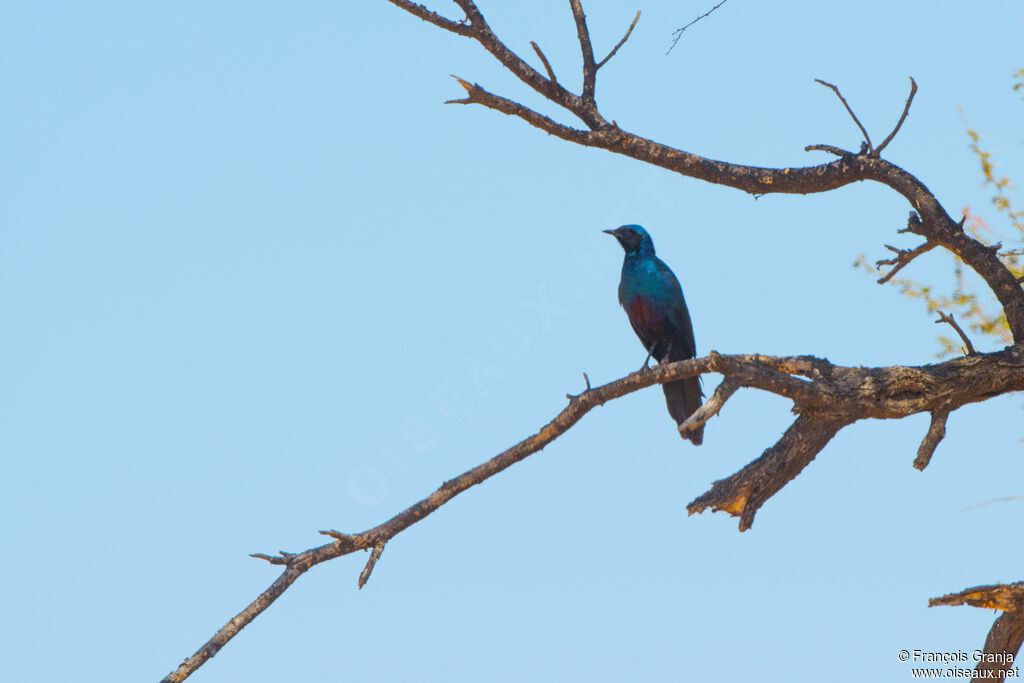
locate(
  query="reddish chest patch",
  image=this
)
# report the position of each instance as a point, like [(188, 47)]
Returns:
[(644, 315)]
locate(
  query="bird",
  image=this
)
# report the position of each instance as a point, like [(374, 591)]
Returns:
[(654, 303)]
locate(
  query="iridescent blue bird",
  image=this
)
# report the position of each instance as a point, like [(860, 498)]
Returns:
[(653, 299)]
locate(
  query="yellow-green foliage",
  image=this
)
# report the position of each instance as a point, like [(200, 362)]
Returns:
[(964, 301)]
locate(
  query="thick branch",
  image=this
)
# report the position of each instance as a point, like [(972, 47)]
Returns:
[(935, 225), (1004, 640), (1001, 596), (742, 494), (1007, 634), (828, 397)]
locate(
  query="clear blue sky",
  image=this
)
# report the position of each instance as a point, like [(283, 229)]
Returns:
[(258, 280)]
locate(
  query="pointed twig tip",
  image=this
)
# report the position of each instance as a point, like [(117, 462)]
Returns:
[(463, 82)]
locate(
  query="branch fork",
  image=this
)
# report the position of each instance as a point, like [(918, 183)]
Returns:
[(867, 148), (825, 397)]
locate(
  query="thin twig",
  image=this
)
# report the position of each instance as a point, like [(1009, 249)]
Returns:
[(364, 575), (902, 258), (903, 116), (936, 224), (1003, 499), (547, 64), (936, 432), (269, 558), (678, 33), (948, 318), (477, 95), (842, 99), (586, 50), (894, 392), (831, 149), (621, 42), (573, 397)]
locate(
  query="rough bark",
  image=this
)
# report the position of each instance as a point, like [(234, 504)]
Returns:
[(825, 397), (1004, 639)]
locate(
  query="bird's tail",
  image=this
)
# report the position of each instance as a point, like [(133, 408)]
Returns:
[(683, 398)]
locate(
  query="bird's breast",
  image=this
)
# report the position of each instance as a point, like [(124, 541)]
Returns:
[(645, 314)]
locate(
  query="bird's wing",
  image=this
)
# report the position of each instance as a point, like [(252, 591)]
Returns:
[(643, 339), (684, 345)]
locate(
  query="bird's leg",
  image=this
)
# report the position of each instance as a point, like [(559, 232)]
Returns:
[(668, 350), (647, 361)]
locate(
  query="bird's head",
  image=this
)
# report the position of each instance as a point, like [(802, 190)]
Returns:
[(633, 238)]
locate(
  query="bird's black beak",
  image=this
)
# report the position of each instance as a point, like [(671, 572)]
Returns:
[(613, 233)]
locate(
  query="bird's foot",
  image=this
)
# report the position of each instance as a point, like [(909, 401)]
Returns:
[(647, 361)]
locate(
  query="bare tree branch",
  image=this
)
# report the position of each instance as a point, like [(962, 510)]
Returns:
[(936, 432), (742, 494), (622, 42), (1001, 596), (544, 59), (842, 99), (903, 256), (903, 117), (831, 149), (461, 28), (1007, 634), (364, 575), (1002, 645), (587, 50), (711, 407), (678, 33), (825, 397), (477, 28), (1001, 499), (948, 318), (478, 95), (828, 397), (935, 224)]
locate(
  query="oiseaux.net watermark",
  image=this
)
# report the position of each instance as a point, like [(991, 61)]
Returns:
[(943, 664)]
